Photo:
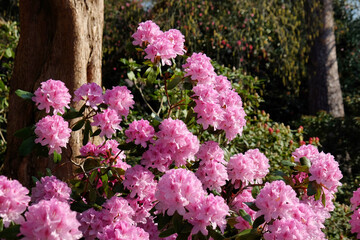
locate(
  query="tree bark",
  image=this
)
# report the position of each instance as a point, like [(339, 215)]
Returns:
[(62, 40), (324, 84)]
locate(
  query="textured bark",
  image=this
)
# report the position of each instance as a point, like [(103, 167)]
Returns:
[(324, 85), (62, 40)]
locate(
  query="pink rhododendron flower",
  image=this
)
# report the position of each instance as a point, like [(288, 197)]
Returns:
[(147, 32), (355, 199), (275, 200), (239, 203), (212, 170), (141, 131), (52, 93), (163, 49), (108, 121), (117, 209), (91, 93), (122, 230), (91, 223), (142, 207), (151, 227), (286, 229), (176, 189), (222, 83), (199, 68), (309, 151), (325, 170), (248, 168), (355, 223), (14, 200), (50, 219), (48, 188), (53, 131), (88, 150), (207, 211), (177, 40), (120, 99), (140, 182), (175, 143)]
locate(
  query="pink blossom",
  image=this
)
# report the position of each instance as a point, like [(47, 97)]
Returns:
[(275, 200), (207, 211), (141, 131), (142, 207), (325, 170), (239, 203), (108, 121), (177, 40), (50, 187), (151, 227), (91, 93), (355, 199), (248, 168), (162, 48), (212, 171), (122, 230), (222, 83), (119, 99), (88, 150), (286, 229), (50, 219), (140, 182), (14, 200), (91, 223), (52, 93), (175, 143), (355, 223), (53, 131), (147, 32), (308, 151), (176, 189), (199, 68), (116, 209)]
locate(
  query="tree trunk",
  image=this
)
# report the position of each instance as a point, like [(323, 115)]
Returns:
[(62, 40), (324, 85)]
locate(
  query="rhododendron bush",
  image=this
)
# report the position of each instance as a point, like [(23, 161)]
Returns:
[(173, 175)]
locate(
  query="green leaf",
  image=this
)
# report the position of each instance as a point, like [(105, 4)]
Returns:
[(79, 125), (24, 132), (131, 76), (91, 163), (24, 94), (57, 157), (255, 191), (323, 199), (168, 232), (305, 162), (86, 132), (35, 180), (8, 53), (27, 146), (71, 114), (1, 225), (2, 85), (245, 216), (248, 234), (175, 80), (92, 176), (10, 233), (288, 163), (96, 133), (258, 221), (177, 222), (216, 235), (312, 188), (252, 206), (48, 172), (163, 220)]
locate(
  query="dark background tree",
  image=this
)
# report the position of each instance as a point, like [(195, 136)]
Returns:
[(60, 39)]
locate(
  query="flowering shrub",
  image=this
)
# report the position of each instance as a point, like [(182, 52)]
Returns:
[(185, 181)]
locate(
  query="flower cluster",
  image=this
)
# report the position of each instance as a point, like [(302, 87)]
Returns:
[(53, 131), (179, 190), (174, 143), (355, 217), (52, 93), (108, 121), (250, 167), (160, 46), (239, 203), (50, 219), (141, 131), (217, 104), (48, 188), (288, 218), (119, 99), (91, 93), (14, 200), (212, 169)]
